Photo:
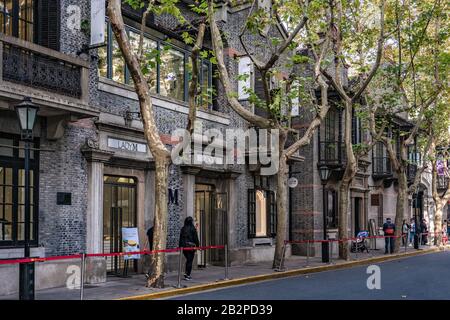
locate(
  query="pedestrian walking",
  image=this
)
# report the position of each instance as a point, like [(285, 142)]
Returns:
[(150, 244), (412, 231), (389, 232), (405, 230), (424, 231), (188, 238), (150, 238)]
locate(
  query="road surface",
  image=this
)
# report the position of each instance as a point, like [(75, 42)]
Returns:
[(421, 277)]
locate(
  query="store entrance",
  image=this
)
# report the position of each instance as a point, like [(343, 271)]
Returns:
[(211, 221), (119, 211)]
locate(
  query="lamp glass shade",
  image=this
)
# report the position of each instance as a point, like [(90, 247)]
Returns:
[(27, 112), (324, 173)]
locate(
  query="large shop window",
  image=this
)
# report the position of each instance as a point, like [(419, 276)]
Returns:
[(261, 213), (12, 192), (167, 75), (31, 20)]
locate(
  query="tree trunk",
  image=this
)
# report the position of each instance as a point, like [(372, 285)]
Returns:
[(400, 206), (438, 223), (281, 203), (344, 189), (156, 278)]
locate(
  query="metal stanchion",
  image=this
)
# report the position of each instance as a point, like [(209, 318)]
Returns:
[(83, 270), (307, 253), (331, 252), (180, 266), (226, 263)]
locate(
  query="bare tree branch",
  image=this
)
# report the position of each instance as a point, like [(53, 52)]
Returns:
[(193, 86), (378, 57), (224, 77)]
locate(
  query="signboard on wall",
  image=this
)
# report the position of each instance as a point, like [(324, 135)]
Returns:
[(126, 145), (130, 242)]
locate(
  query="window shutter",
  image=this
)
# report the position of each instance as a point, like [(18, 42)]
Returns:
[(48, 23), (251, 213), (272, 214)]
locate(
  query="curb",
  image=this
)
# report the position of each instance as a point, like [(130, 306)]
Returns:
[(277, 275)]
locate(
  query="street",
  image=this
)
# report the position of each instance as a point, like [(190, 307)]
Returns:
[(420, 277)]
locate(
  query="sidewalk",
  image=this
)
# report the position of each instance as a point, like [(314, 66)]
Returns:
[(212, 277)]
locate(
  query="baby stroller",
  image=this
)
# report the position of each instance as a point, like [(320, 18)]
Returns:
[(360, 245)]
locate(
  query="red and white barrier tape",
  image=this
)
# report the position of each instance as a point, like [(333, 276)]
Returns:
[(112, 254)]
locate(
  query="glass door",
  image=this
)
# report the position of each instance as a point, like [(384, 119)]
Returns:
[(119, 210)]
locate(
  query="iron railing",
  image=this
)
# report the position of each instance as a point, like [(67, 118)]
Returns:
[(332, 153), (442, 182), (381, 167), (31, 65)]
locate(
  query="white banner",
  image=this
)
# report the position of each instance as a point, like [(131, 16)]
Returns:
[(98, 14), (130, 242)]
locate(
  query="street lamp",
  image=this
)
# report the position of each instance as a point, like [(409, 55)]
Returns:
[(27, 112), (325, 174)]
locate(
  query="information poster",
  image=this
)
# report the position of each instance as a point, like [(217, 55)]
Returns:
[(130, 242)]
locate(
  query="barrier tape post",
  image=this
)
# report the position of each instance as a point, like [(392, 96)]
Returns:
[(307, 253), (331, 252), (356, 248), (226, 262), (83, 270), (180, 266)]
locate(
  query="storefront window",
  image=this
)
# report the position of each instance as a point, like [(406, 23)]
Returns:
[(12, 195), (17, 18), (165, 70), (103, 57), (149, 62), (261, 214), (171, 79)]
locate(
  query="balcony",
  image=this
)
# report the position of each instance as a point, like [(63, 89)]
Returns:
[(58, 82), (381, 168), (442, 183), (332, 154)]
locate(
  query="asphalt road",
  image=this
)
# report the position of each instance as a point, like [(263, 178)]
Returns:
[(421, 277)]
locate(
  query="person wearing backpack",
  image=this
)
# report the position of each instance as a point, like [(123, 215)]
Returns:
[(389, 232), (188, 238)]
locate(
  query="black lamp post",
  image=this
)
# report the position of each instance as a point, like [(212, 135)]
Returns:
[(27, 112), (325, 173)]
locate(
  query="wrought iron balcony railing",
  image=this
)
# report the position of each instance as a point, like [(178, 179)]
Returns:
[(381, 167), (31, 65), (411, 172), (442, 182), (332, 153)]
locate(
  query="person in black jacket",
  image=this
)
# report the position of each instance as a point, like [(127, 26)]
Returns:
[(188, 238), (389, 232)]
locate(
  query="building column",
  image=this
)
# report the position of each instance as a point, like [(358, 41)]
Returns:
[(94, 229), (94, 216)]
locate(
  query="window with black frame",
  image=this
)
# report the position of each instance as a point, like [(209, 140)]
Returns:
[(17, 18), (12, 192), (165, 65), (262, 219)]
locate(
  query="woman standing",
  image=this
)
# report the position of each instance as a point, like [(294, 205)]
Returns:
[(188, 238)]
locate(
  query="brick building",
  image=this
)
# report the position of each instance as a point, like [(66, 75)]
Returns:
[(94, 172)]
